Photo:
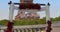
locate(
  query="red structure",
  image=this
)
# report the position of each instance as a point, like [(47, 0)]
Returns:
[(29, 6), (49, 26), (9, 26)]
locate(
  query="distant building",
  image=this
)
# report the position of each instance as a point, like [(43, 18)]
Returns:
[(27, 4), (29, 15), (26, 1)]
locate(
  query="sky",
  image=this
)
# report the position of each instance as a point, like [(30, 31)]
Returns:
[(54, 8)]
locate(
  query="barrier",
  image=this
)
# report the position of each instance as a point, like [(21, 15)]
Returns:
[(27, 28)]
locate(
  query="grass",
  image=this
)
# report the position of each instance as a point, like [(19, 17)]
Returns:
[(28, 22), (25, 22)]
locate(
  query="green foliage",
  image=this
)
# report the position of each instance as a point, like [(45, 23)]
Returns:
[(55, 19), (29, 21), (3, 22), (24, 22)]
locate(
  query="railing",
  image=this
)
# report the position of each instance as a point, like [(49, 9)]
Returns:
[(24, 30), (30, 28), (27, 28)]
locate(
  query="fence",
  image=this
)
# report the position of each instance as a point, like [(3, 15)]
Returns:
[(27, 28)]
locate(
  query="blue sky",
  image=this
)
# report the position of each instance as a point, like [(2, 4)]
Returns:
[(54, 8)]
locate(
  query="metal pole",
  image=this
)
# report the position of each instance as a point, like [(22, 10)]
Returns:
[(48, 21)]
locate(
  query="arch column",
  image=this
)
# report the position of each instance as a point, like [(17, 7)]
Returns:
[(10, 22), (48, 21)]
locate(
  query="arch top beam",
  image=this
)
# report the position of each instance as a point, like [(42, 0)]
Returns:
[(19, 3)]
